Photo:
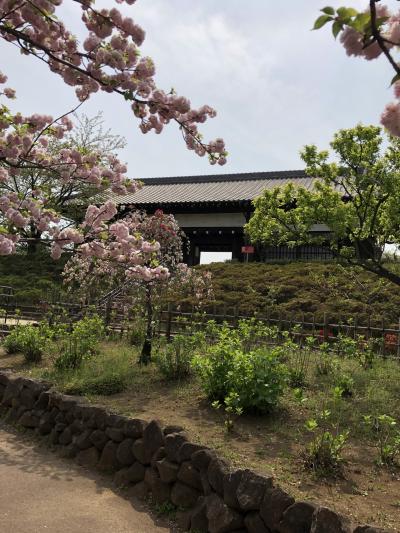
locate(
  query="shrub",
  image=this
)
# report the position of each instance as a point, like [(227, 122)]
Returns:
[(82, 342), (28, 339), (256, 378), (299, 361), (174, 361), (13, 342), (387, 437), (324, 453), (345, 385)]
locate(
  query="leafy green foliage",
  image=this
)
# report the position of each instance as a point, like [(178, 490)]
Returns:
[(174, 359), (30, 340), (348, 16), (356, 197), (81, 342), (324, 453), (386, 434), (236, 373)]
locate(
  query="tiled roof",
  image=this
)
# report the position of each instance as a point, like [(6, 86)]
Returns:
[(210, 188)]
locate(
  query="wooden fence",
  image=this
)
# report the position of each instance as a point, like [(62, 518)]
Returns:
[(173, 321)]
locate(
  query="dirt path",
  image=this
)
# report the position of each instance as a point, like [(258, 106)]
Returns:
[(40, 492)]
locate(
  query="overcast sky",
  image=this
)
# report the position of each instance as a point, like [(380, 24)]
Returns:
[(276, 84)]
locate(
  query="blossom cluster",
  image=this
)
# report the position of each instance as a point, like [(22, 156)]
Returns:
[(139, 248), (108, 60), (370, 34), (24, 146), (158, 266)]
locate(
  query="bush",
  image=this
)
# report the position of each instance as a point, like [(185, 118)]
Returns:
[(81, 343), (255, 378), (30, 340), (13, 342), (386, 436), (174, 360), (324, 453)]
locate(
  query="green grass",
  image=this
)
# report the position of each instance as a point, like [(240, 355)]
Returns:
[(112, 371), (305, 289)]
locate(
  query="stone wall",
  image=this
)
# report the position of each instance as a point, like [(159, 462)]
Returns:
[(209, 496)]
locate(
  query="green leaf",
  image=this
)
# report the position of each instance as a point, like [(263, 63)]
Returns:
[(336, 28), (328, 10), (321, 21), (361, 22), (347, 12)]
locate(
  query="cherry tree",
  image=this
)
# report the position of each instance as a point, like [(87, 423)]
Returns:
[(107, 60), (370, 34), (145, 280)]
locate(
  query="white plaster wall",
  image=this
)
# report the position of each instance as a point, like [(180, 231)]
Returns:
[(209, 220)]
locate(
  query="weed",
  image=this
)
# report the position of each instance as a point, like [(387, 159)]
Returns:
[(387, 437)]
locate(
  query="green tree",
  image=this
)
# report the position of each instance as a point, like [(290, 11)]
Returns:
[(357, 196)]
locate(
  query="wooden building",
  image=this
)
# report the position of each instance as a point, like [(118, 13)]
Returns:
[(212, 210)]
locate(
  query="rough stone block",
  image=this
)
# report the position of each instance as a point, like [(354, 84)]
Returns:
[(153, 437), (217, 470), (254, 523), (115, 434), (65, 437), (167, 470), (189, 475), (275, 503), (184, 496), (221, 518), (83, 441), (230, 486), (99, 439), (297, 518), (124, 452), (134, 428), (89, 457), (28, 420), (172, 444), (141, 453), (325, 520), (251, 490), (202, 458), (186, 451), (108, 460)]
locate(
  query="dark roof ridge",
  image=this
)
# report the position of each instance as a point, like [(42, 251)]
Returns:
[(240, 176)]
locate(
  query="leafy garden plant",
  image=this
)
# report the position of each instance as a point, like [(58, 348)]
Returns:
[(82, 342), (174, 360), (255, 379), (386, 435), (28, 339), (324, 453)]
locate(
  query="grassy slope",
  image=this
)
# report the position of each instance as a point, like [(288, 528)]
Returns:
[(305, 288), (290, 289)]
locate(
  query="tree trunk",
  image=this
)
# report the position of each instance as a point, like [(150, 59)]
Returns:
[(34, 240), (145, 356)]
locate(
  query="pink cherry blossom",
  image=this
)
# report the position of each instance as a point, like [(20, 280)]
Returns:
[(390, 118)]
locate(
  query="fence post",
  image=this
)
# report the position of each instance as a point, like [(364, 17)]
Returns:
[(398, 339), (235, 316), (169, 322), (325, 327), (107, 317), (383, 337)]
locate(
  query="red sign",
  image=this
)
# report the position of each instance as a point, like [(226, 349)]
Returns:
[(247, 249)]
